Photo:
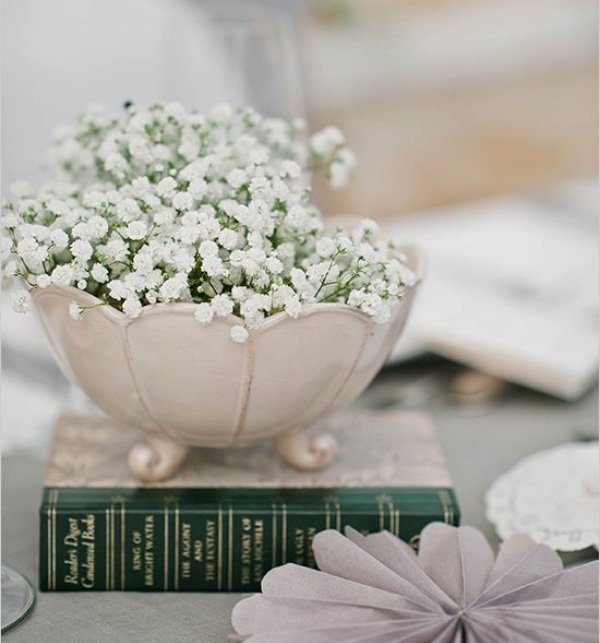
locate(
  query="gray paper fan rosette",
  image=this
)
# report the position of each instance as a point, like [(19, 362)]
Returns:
[(376, 589)]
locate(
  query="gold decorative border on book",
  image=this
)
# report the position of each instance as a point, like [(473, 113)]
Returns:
[(51, 515), (380, 502), (274, 537), (444, 497), (166, 556), (107, 548), (49, 539), (230, 548), (112, 545), (283, 532)]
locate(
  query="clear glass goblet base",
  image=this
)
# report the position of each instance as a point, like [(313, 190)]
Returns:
[(18, 597)]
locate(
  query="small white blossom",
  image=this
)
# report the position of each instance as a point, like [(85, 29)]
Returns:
[(197, 188), (383, 314), (116, 164), (236, 178), (117, 289), (326, 247), (43, 281), (62, 275), (20, 301), (208, 249), (290, 169), (82, 250), (116, 250), (166, 187), (239, 334), (172, 288), (75, 310), (222, 305), (132, 307), (165, 216), (274, 265), (228, 239), (326, 141), (97, 227), (59, 239), (137, 230), (213, 266), (293, 307), (99, 273), (9, 220), (204, 313), (93, 199), (183, 201)]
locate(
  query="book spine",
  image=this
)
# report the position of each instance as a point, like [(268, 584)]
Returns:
[(218, 548)]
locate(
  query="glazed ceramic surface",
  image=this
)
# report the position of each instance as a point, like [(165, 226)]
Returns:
[(186, 384)]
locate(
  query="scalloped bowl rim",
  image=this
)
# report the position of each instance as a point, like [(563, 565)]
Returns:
[(189, 307), (233, 320)]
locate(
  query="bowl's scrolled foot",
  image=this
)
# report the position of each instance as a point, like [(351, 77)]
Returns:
[(306, 451), (156, 459)]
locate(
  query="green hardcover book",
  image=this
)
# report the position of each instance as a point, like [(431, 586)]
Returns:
[(229, 515)]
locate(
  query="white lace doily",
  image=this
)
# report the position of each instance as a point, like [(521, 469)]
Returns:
[(553, 496)]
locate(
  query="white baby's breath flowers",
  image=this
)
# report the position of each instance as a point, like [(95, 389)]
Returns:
[(165, 205), (75, 310), (20, 301), (204, 313), (239, 334)]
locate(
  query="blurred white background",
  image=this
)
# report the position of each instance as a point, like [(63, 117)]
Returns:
[(60, 55)]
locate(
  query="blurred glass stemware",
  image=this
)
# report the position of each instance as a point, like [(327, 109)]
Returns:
[(237, 52), (18, 597)]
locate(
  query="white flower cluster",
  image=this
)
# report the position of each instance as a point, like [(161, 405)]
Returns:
[(168, 205)]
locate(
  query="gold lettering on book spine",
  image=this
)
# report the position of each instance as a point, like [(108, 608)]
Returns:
[(176, 562), (220, 549)]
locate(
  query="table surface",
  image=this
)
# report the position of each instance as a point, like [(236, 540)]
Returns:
[(480, 442)]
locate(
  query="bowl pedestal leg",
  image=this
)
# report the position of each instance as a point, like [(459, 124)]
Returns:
[(306, 451), (157, 458)]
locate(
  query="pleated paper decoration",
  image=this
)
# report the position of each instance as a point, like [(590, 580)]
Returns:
[(376, 589)]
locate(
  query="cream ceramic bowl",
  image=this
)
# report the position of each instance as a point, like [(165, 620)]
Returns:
[(185, 384)]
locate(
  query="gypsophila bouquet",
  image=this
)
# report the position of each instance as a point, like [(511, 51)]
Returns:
[(164, 204)]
